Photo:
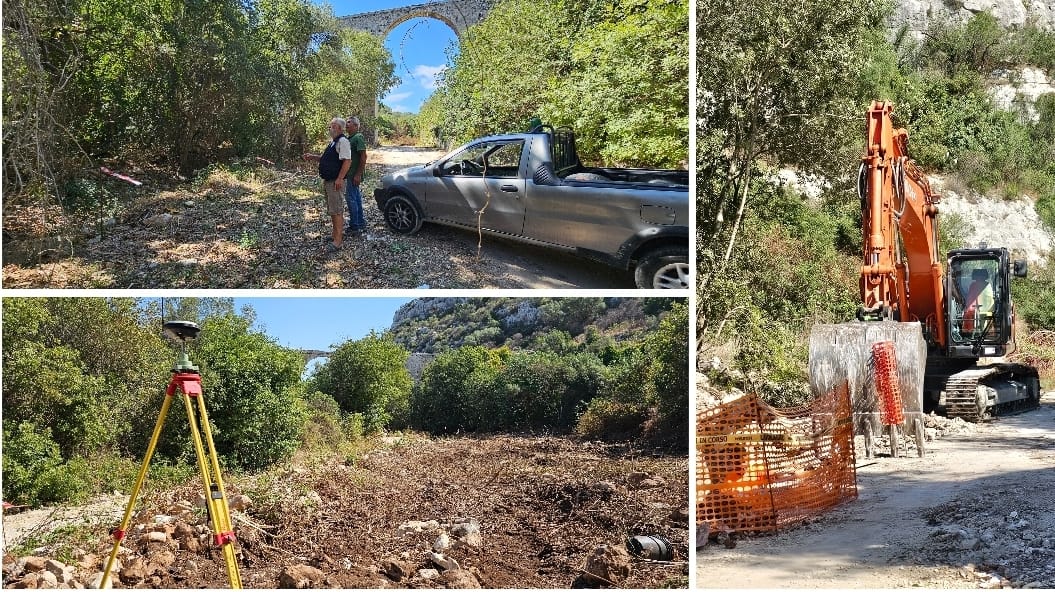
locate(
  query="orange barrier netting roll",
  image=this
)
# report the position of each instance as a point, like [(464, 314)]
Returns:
[(760, 468), (891, 411)]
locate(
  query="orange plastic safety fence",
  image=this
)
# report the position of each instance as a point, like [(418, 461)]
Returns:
[(759, 468), (888, 387)]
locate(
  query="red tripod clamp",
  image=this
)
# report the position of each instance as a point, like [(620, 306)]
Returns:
[(186, 382)]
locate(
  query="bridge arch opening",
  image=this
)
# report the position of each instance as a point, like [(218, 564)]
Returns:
[(421, 44)]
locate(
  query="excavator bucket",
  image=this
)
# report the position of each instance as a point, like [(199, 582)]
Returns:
[(846, 352)]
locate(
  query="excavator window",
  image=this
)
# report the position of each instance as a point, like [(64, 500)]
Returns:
[(977, 291)]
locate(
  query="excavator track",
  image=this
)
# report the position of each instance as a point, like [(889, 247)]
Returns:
[(962, 398), (965, 400)]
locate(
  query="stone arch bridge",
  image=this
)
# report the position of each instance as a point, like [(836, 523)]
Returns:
[(415, 362), (459, 15)]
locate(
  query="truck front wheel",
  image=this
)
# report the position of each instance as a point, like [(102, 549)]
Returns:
[(402, 215), (663, 268)]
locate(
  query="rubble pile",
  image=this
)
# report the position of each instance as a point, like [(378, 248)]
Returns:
[(147, 554), (996, 546)]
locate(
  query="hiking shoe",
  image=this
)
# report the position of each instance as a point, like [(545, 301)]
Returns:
[(332, 248)]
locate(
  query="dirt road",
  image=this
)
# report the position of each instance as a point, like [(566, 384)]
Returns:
[(977, 511)]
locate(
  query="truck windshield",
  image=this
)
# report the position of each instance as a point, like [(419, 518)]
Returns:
[(501, 159)]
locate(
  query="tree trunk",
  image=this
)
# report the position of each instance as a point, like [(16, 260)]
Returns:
[(739, 217)]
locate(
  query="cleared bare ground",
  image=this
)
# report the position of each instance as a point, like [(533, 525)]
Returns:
[(268, 229), (542, 504)]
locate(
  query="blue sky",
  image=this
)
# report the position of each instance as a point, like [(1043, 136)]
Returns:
[(318, 323), (418, 47)]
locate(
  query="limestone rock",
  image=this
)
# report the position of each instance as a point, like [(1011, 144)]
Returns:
[(608, 564), (444, 562), (159, 220), (460, 578), (97, 580), (442, 543), (48, 580), (34, 563), (395, 570), (465, 527), (239, 502), (428, 574), (135, 571), (416, 526), (300, 576), (157, 537)]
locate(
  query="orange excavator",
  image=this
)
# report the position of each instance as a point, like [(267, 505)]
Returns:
[(941, 319)]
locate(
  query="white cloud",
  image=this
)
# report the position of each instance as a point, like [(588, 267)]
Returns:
[(399, 108), (396, 97), (426, 75)]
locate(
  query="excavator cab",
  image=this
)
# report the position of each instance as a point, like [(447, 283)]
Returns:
[(978, 301)]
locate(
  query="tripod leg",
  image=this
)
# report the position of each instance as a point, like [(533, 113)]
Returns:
[(119, 534), (214, 494), (224, 517)]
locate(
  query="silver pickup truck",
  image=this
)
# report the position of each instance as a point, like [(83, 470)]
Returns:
[(532, 187)]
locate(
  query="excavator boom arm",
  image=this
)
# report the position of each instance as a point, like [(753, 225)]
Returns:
[(901, 272)]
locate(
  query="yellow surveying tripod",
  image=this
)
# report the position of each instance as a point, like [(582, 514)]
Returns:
[(187, 381)]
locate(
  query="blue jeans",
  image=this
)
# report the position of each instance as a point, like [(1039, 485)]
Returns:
[(354, 198)]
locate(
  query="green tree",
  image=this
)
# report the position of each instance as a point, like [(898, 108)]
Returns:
[(615, 70), (354, 70), (87, 367), (775, 82), (619, 113), (504, 65), (668, 348), (369, 376)]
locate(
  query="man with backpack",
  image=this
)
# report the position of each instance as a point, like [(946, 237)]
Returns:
[(334, 163)]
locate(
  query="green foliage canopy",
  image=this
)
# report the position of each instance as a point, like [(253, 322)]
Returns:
[(368, 376)]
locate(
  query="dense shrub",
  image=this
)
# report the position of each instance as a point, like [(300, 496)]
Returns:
[(610, 420), (31, 458), (439, 402)]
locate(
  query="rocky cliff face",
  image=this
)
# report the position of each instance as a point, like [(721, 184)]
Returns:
[(917, 15), (1013, 224), (434, 325), (423, 308), (1018, 90)]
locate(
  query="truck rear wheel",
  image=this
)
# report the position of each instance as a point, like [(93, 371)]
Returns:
[(402, 215), (663, 268)]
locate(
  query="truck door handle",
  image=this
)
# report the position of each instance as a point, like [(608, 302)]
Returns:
[(509, 188)]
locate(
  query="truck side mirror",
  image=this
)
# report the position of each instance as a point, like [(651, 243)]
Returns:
[(1020, 268), (436, 169)]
